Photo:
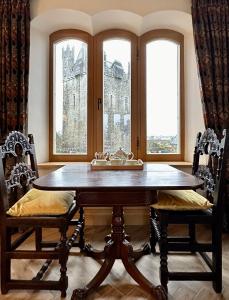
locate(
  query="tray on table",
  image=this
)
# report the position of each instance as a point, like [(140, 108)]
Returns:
[(108, 166)]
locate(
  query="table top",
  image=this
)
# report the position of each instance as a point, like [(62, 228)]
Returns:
[(153, 177)]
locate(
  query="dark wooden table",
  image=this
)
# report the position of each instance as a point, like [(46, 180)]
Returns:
[(117, 188)]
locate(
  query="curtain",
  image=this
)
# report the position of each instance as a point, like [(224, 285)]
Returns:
[(14, 65), (211, 35)]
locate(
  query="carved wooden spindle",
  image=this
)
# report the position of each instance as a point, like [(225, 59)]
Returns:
[(74, 236), (82, 221), (196, 155), (63, 261), (42, 270), (153, 233), (163, 254), (117, 227)]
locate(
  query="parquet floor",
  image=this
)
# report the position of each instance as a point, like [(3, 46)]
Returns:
[(118, 284)]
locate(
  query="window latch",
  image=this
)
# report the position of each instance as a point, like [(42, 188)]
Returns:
[(99, 103)]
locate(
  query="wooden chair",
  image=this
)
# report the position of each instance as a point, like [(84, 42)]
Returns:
[(32, 212), (188, 207)]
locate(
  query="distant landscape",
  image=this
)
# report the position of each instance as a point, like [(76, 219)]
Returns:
[(162, 144)]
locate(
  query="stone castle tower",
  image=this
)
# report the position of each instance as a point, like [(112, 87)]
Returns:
[(75, 101), (117, 91)]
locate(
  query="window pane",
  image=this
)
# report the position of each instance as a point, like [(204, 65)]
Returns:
[(70, 97), (116, 95), (162, 84)]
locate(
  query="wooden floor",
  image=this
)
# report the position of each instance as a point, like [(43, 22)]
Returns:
[(118, 284)]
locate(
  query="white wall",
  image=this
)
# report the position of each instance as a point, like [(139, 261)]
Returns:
[(38, 93), (91, 7), (93, 17), (193, 110)]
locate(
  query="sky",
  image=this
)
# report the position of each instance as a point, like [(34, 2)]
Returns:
[(118, 50), (162, 90)]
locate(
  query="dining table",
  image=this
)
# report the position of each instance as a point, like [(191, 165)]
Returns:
[(117, 189)]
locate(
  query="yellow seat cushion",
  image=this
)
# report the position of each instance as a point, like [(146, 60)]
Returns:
[(181, 200), (36, 202)]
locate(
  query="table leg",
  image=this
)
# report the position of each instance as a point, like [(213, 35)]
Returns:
[(136, 254), (96, 254), (118, 247), (79, 294), (128, 259)]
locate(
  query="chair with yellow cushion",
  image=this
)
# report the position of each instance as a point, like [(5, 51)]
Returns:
[(190, 208), (31, 210)]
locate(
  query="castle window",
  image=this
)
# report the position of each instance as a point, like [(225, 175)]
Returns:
[(162, 93), (115, 58), (69, 81), (125, 91)]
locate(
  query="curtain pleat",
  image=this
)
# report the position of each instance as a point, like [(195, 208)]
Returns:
[(14, 65)]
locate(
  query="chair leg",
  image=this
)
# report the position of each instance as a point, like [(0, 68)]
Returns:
[(217, 258), (5, 275), (38, 238), (5, 262), (163, 251), (153, 237), (63, 260), (81, 234), (192, 235)]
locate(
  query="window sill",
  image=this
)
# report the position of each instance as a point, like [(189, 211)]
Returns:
[(47, 165)]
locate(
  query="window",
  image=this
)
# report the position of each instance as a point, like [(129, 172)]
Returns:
[(70, 96), (115, 56), (131, 99), (116, 79), (162, 93)]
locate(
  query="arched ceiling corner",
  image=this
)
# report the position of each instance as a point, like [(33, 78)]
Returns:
[(56, 19)]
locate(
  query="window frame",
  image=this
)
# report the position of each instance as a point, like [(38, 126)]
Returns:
[(138, 91), (87, 38), (177, 38), (98, 87)]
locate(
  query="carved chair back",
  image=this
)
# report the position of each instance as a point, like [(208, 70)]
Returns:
[(215, 151), (18, 168)]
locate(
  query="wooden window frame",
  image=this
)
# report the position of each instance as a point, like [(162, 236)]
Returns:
[(98, 87), (87, 38), (178, 38), (138, 91)]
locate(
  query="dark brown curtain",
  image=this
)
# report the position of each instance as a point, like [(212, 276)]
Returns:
[(14, 65), (211, 35)]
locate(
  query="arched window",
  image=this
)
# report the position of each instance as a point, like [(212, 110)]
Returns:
[(116, 80), (124, 92), (162, 114), (70, 95)]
